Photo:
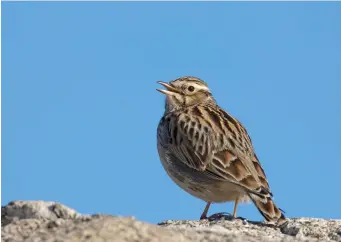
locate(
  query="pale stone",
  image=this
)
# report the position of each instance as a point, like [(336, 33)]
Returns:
[(37, 221)]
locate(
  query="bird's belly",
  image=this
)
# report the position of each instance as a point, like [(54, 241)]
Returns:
[(219, 192), (199, 185)]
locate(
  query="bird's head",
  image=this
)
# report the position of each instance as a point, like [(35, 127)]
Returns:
[(184, 92)]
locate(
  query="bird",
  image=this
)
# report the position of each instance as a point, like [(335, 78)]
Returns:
[(209, 153)]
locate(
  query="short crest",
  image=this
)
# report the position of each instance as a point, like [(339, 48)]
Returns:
[(192, 79)]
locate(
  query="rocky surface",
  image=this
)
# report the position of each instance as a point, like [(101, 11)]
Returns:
[(50, 221)]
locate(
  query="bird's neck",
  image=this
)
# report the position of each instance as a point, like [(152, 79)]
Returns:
[(169, 107)]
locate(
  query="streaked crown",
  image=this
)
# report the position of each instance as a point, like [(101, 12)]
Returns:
[(185, 91), (187, 80)]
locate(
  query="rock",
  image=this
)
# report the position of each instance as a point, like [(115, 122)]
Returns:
[(50, 221), (298, 229), (36, 210)]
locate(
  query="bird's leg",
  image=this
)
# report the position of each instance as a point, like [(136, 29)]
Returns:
[(235, 208), (234, 216), (204, 214)]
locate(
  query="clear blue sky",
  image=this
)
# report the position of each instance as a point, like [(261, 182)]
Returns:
[(80, 110)]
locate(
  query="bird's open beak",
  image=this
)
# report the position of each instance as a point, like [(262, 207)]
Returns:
[(170, 90)]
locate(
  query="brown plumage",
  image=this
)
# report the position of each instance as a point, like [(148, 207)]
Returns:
[(208, 153)]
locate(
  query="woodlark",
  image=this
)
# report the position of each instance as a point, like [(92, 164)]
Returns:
[(209, 153)]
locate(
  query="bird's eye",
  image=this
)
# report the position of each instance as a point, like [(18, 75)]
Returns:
[(190, 88)]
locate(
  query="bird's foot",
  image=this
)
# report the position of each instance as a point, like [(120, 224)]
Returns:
[(240, 218), (225, 215), (218, 216)]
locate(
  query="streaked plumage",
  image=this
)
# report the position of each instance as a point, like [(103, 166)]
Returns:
[(208, 153)]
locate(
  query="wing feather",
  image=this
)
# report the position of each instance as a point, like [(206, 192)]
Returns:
[(210, 140)]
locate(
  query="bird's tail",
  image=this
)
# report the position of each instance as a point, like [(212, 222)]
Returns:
[(269, 210)]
